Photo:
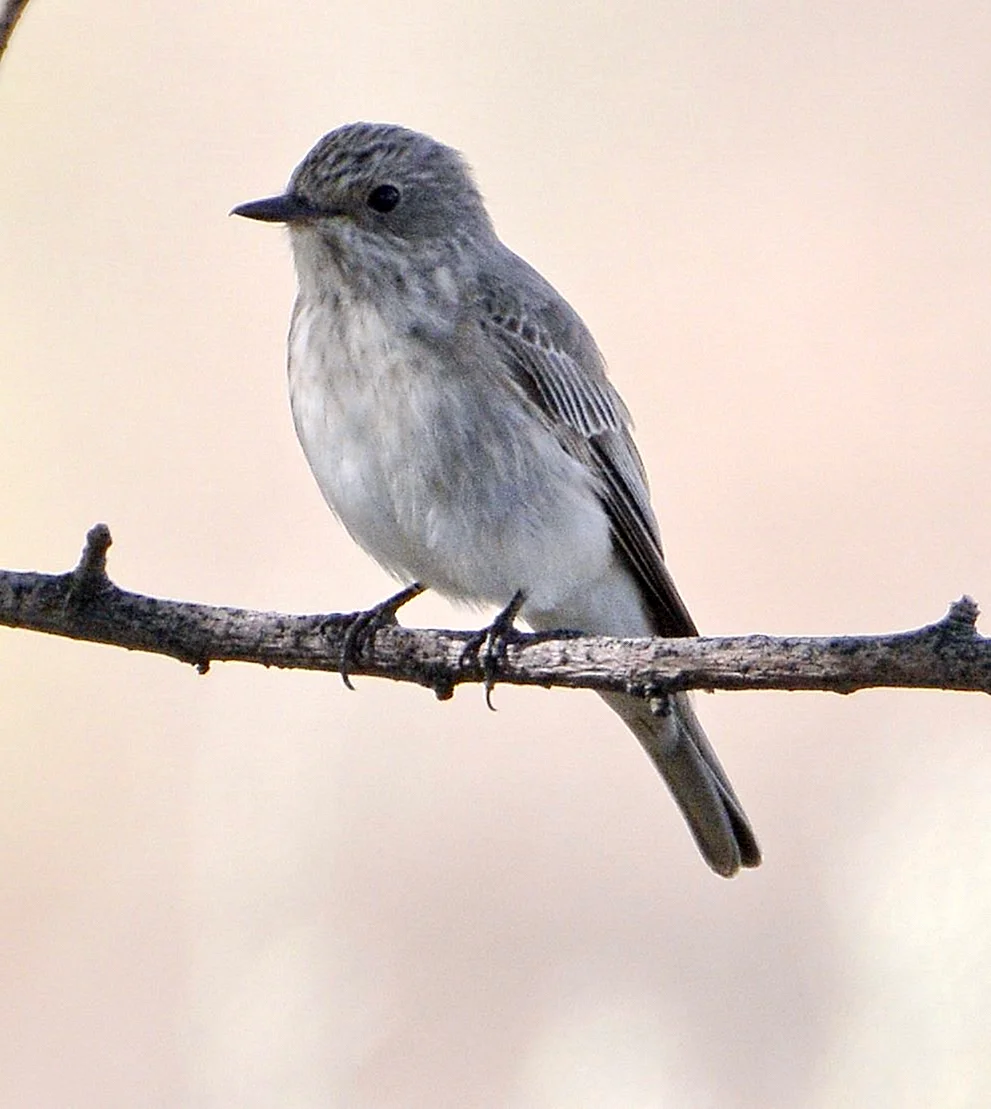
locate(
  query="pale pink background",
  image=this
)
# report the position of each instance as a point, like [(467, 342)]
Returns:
[(256, 889)]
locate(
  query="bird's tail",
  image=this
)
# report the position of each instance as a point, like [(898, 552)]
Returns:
[(672, 736)]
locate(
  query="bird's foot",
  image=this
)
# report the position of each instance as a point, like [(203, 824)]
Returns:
[(487, 647), (362, 627)]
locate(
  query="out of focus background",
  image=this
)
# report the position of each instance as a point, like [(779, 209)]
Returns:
[(257, 889)]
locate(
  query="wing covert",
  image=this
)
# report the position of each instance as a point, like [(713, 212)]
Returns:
[(556, 363)]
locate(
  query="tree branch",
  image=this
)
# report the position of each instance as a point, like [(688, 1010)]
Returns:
[(85, 604), (9, 15)]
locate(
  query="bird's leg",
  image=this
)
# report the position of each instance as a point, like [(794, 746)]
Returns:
[(487, 647), (362, 627)]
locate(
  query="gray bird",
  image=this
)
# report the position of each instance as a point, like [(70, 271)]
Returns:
[(457, 416)]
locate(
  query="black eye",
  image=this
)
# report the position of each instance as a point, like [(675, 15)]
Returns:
[(383, 198)]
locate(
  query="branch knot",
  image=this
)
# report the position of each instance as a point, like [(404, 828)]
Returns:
[(89, 578), (961, 618)]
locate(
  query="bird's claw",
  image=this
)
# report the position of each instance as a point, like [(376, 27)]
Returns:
[(362, 627), (487, 647)]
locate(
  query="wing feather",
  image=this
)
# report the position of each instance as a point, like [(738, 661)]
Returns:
[(555, 361)]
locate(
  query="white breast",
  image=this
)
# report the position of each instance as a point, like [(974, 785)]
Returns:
[(442, 478), (350, 403)]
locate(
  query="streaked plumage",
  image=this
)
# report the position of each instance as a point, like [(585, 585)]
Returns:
[(458, 418)]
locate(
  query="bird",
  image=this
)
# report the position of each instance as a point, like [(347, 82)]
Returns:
[(457, 416)]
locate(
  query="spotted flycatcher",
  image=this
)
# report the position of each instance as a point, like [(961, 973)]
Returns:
[(457, 416)]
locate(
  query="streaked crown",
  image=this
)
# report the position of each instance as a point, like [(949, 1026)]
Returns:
[(389, 177)]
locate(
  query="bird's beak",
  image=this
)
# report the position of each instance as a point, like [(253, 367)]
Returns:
[(278, 209)]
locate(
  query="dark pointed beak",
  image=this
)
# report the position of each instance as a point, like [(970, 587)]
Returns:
[(279, 209)]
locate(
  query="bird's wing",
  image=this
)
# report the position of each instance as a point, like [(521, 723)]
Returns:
[(554, 360)]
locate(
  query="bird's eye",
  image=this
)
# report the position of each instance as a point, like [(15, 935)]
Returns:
[(383, 198)]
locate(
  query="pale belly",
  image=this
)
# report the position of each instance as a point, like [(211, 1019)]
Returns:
[(448, 482)]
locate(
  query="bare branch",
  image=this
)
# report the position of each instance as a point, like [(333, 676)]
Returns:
[(85, 604), (11, 13)]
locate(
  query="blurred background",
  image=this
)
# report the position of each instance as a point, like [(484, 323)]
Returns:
[(256, 888)]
